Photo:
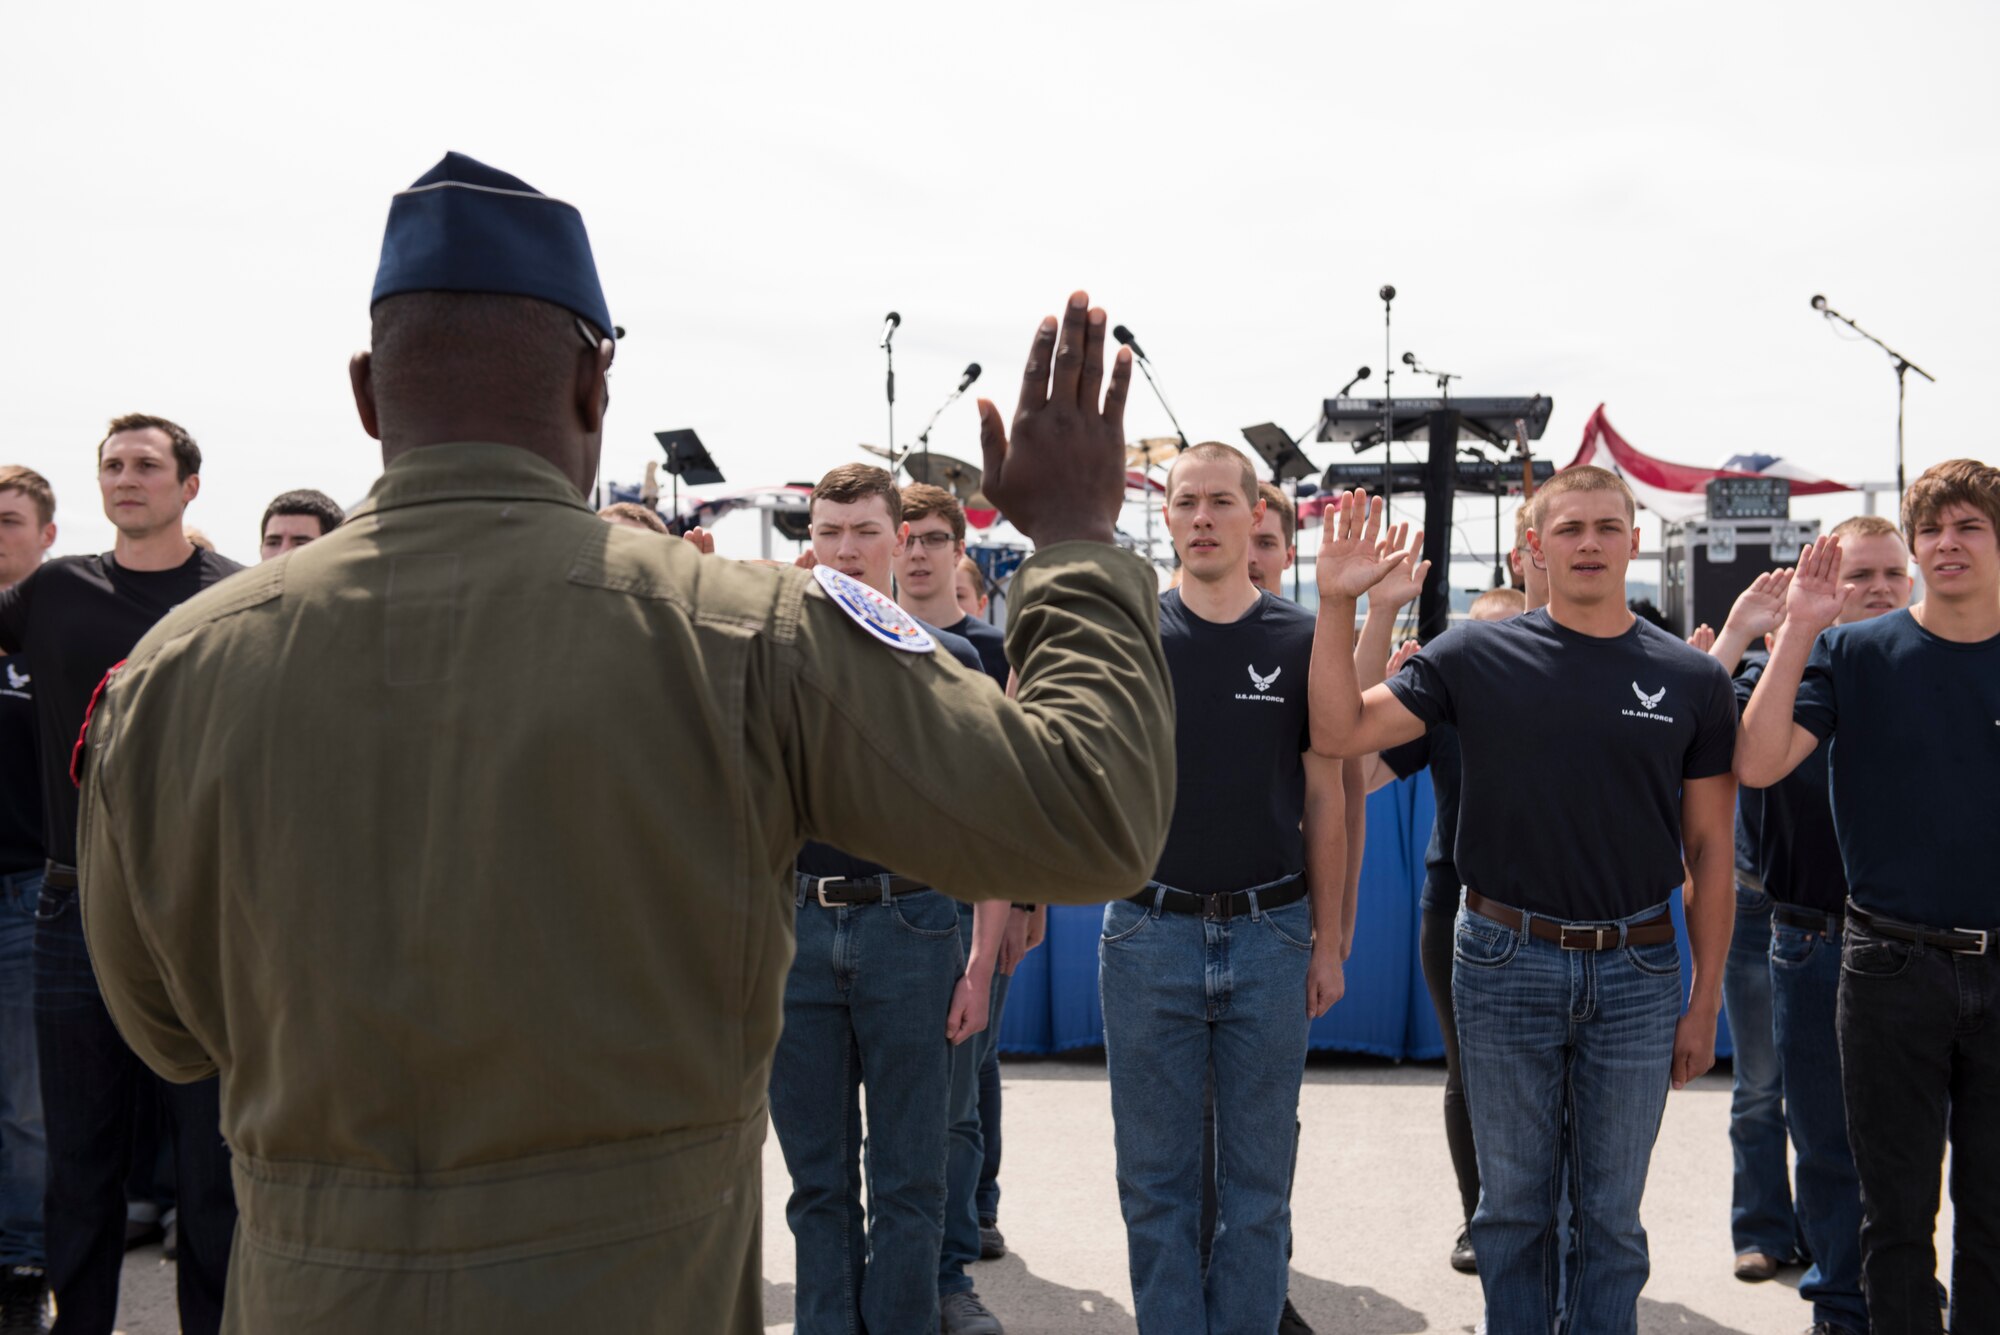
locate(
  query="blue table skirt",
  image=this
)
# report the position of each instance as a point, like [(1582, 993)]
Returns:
[(1053, 1007)]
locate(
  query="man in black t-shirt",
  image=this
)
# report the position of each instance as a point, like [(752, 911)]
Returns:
[(1596, 753), (879, 993), (69, 623), (1908, 704), (1221, 963), (925, 567), (1796, 860), (27, 531)]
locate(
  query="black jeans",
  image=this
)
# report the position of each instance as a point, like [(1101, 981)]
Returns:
[(1919, 1032), (91, 1083), (1434, 952)]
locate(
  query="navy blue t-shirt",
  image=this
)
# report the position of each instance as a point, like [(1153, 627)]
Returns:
[(818, 859), (1437, 748), (1914, 721), (1240, 728), (991, 643), (1798, 853), (1574, 751)]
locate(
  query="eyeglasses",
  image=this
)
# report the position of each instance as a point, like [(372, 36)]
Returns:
[(932, 542)]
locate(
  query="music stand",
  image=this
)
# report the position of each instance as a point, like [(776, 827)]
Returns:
[(687, 457), (1279, 452)]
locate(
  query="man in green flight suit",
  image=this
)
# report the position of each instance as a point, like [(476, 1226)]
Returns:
[(459, 841)]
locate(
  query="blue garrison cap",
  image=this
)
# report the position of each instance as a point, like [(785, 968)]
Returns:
[(464, 227)]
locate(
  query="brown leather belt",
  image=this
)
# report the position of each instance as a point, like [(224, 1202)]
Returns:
[(1575, 936), (56, 876)]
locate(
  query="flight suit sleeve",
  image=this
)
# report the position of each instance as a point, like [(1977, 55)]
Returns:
[(1062, 795), (128, 972)]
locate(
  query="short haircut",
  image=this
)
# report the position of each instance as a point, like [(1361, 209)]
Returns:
[(1953, 482), (305, 501), (1867, 526), (1524, 519), (633, 513), (1215, 452), (21, 478), (1582, 477), (921, 500), (850, 484), (1511, 601), (187, 454), (1281, 505), (968, 566)]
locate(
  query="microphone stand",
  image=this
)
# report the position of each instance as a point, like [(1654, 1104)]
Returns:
[(1903, 367), (1388, 412), (925, 439), (889, 351), (1147, 367)]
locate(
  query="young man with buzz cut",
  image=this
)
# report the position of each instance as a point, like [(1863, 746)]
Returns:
[(1908, 705), (880, 991), (27, 531), (1218, 967), (1796, 859), (1596, 757), (925, 564), (70, 622), (295, 519)]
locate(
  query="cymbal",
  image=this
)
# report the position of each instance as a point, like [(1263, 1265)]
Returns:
[(957, 476), (1152, 451), (878, 451)]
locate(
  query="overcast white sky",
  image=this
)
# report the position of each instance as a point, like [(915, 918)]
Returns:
[(1597, 202)]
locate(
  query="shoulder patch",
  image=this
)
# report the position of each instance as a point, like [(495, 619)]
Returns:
[(873, 613)]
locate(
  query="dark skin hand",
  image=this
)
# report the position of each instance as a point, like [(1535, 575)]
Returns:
[(1059, 475)]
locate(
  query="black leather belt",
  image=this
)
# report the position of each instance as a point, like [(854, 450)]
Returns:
[(1957, 940), (1808, 920), (56, 876), (1575, 936), (1225, 904), (844, 891)]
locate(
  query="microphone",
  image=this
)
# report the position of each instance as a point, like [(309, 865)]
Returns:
[(1819, 303), (971, 374), (1124, 336), (890, 321), (1409, 359), (1388, 292), (1359, 376)]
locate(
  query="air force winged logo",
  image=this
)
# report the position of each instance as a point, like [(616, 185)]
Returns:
[(874, 613), (1649, 701), (17, 680), (1262, 684)]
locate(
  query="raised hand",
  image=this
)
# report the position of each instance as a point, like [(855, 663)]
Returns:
[(1060, 475), (1759, 609), (1817, 596), (701, 540), (1352, 559), (1405, 580), (1403, 655), (1703, 637)]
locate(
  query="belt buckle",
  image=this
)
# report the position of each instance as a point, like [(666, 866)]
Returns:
[(819, 889), (1983, 935), (1215, 908), (1597, 935)]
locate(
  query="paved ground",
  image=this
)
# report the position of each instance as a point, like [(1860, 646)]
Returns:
[(1375, 1215)]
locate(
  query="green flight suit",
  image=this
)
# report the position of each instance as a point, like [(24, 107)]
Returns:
[(459, 843)]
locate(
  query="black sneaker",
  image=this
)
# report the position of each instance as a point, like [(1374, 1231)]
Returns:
[(991, 1245), (964, 1314), (24, 1300), (1463, 1258), (1290, 1322)]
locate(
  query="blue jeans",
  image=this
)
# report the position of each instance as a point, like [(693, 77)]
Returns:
[(865, 1005), (24, 1151), (1544, 1032), (1805, 987), (988, 1194), (1182, 995), (966, 1157), (1760, 1198)]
